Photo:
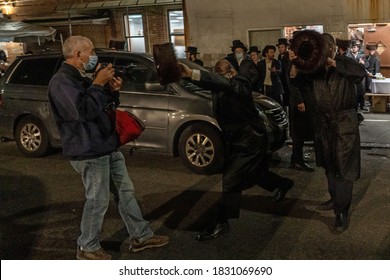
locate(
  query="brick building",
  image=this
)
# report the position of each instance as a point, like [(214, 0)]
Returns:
[(137, 23)]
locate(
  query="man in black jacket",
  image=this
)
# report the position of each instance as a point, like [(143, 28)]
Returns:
[(245, 138), (270, 70), (337, 138)]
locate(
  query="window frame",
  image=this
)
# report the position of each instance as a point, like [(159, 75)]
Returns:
[(127, 31)]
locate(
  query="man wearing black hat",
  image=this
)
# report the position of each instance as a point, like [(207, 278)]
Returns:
[(191, 53), (270, 71), (360, 87), (254, 54), (239, 58), (238, 53), (246, 162), (374, 65), (342, 46), (285, 61), (337, 138)]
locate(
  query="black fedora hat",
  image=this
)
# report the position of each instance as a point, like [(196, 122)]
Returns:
[(253, 49), (192, 50), (311, 50), (343, 44), (238, 44), (371, 47), (282, 41), (355, 43)]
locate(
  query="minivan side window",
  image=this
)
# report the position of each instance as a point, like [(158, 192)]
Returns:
[(34, 71), (135, 74)]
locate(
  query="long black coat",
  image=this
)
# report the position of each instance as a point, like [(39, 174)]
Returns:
[(243, 133), (337, 138), (301, 123), (285, 63)]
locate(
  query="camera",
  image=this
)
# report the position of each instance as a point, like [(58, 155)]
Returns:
[(120, 71)]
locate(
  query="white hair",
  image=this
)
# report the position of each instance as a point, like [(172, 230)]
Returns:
[(75, 43)]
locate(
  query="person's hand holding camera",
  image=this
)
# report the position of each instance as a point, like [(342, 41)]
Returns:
[(115, 84), (103, 75)]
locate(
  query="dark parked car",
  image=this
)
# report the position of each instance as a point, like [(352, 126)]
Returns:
[(178, 117)]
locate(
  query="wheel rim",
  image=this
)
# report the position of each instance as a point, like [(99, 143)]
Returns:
[(199, 150), (30, 137)]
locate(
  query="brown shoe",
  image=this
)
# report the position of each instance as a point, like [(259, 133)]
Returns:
[(153, 242), (99, 254)]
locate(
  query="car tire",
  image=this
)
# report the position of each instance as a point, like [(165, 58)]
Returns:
[(201, 149), (32, 138)]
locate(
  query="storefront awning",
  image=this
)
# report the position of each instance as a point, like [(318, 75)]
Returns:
[(115, 4), (16, 31)]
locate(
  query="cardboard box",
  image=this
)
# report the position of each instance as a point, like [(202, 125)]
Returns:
[(379, 104)]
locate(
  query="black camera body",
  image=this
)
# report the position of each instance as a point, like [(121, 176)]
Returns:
[(120, 71)]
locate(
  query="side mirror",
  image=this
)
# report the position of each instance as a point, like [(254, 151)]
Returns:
[(154, 86)]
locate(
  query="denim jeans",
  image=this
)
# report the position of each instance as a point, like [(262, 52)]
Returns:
[(97, 174)]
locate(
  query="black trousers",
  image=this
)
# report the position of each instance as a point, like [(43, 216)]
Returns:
[(269, 91), (340, 191), (230, 202)]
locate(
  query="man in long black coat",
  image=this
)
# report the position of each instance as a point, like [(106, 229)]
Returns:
[(301, 125), (245, 138), (337, 138)]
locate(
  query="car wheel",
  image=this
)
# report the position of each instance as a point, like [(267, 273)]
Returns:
[(201, 149), (32, 138)]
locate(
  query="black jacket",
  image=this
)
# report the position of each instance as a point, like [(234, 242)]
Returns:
[(277, 85), (337, 138)]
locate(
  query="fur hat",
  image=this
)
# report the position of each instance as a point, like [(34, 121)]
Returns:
[(166, 63), (266, 48), (311, 50), (282, 41), (238, 44)]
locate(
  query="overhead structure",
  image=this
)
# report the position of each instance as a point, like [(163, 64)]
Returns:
[(17, 31), (115, 4)]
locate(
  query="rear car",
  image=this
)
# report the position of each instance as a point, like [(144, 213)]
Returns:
[(178, 117)]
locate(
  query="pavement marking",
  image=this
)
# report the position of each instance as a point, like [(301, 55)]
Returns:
[(372, 120)]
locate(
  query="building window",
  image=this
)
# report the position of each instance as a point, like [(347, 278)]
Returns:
[(134, 29), (289, 30), (176, 31)]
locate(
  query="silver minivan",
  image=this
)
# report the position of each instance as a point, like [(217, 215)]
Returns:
[(178, 117)]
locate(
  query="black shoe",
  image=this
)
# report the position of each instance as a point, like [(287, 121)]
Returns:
[(302, 166), (341, 223), (326, 206), (281, 192), (213, 232)]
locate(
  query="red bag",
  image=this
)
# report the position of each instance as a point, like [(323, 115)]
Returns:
[(128, 126)]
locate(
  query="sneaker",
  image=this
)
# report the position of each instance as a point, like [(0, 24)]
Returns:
[(153, 242), (99, 254)]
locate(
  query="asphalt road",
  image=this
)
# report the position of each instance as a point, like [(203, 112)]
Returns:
[(41, 202)]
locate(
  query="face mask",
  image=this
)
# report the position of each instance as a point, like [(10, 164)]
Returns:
[(92, 61), (239, 55)]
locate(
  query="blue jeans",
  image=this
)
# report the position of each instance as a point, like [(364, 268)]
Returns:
[(97, 174)]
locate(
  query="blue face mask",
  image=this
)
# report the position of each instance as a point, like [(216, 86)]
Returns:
[(239, 55), (92, 61)]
